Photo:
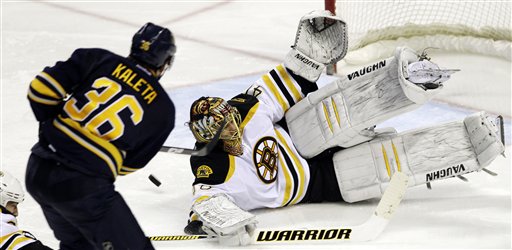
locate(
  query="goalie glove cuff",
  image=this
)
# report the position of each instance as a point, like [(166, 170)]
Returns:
[(303, 65)]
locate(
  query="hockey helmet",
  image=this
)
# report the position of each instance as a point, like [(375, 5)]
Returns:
[(10, 189), (153, 45), (206, 117)]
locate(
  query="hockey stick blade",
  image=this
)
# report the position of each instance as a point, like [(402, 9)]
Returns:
[(367, 231), (205, 150)]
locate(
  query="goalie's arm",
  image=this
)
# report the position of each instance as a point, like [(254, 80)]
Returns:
[(320, 40), (279, 90)]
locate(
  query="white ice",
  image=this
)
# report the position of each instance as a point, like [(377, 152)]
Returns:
[(222, 47)]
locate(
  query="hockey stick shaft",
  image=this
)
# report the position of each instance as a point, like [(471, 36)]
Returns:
[(179, 237), (367, 231), (205, 150)]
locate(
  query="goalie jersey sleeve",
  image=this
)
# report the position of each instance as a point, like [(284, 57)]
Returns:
[(11, 237), (101, 113), (280, 89), (270, 172)]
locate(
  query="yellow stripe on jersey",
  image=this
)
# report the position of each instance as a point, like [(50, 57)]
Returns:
[(289, 83), (287, 176), (54, 83), (297, 164), (126, 170), (18, 236), (20, 239), (114, 152), (37, 99), (6, 236), (231, 170), (275, 92), (41, 88), (249, 116)]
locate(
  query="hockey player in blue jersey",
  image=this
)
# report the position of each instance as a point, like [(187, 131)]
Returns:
[(101, 116)]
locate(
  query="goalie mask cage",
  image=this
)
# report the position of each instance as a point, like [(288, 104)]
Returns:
[(474, 36)]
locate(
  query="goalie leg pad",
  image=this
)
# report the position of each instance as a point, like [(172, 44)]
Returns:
[(425, 155), (340, 113)]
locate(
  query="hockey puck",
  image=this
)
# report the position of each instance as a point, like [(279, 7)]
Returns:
[(154, 180)]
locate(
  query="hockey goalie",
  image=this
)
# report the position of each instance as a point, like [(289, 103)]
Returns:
[(285, 142)]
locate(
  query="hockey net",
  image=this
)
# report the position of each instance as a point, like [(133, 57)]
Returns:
[(376, 28), (474, 36)]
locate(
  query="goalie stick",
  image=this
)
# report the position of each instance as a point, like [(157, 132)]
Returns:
[(205, 150), (367, 231)]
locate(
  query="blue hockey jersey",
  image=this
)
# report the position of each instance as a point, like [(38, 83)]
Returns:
[(101, 113)]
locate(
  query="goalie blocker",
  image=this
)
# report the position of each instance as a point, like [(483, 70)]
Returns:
[(425, 155)]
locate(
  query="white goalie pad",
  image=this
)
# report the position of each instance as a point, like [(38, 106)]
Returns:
[(340, 113), (425, 155)]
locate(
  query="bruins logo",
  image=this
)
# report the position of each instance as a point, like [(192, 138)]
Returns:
[(265, 156), (203, 171)]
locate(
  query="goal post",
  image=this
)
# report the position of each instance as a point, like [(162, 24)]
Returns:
[(330, 5)]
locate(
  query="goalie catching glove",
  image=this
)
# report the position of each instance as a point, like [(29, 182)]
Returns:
[(224, 220), (321, 39)]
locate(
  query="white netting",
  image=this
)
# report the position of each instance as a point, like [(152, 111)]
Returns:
[(452, 23)]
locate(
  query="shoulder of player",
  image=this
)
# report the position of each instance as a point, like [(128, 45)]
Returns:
[(244, 103), (213, 169), (94, 52)]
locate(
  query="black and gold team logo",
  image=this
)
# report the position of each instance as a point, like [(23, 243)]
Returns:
[(144, 45), (204, 171), (265, 156)]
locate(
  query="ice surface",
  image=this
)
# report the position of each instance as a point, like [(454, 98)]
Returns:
[(222, 47)]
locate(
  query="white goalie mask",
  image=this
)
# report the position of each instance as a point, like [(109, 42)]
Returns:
[(10, 189)]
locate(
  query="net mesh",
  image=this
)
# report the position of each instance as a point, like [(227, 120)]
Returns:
[(369, 22)]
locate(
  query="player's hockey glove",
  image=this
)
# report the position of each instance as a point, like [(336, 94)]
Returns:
[(321, 39), (221, 218)]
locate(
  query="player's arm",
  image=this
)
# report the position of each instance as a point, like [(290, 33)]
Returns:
[(210, 173), (50, 87), (214, 210), (279, 90)]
